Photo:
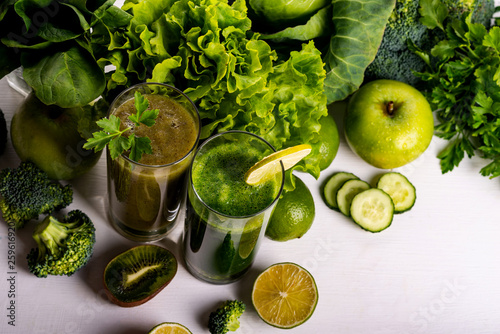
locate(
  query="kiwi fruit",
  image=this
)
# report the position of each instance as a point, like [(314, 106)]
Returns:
[(138, 274)]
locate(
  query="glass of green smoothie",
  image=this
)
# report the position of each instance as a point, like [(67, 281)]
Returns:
[(145, 197), (226, 218)]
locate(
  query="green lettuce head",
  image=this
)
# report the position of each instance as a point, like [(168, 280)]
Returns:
[(206, 48)]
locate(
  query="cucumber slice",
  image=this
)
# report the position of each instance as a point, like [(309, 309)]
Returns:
[(372, 210), (333, 185), (346, 193), (401, 190)]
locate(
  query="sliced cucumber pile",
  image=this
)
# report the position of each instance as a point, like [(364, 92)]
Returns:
[(372, 209), (333, 185), (401, 190)]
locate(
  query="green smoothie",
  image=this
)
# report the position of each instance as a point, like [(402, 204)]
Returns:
[(225, 217), (145, 197)]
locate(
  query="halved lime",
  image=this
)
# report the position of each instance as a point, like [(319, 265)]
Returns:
[(266, 168), (285, 295), (169, 328)]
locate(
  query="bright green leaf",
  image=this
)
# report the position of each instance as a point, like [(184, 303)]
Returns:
[(444, 50), (492, 39), (492, 169), (139, 146), (118, 145), (433, 13)]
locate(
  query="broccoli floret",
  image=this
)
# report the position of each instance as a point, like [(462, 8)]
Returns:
[(482, 10), (26, 192), (394, 60), (3, 132), (226, 317), (63, 246)]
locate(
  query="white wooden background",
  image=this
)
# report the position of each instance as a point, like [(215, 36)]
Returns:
[(435, 270)]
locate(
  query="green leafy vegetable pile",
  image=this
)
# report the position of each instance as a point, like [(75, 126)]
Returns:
[(207, 49), (52, 41), (463, 77), (395, 59)]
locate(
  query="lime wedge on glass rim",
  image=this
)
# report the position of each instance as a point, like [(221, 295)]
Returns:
[(266, 168)]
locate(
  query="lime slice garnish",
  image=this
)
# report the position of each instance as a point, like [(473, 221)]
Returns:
[(285, 295), (169, 328), (269, 166)]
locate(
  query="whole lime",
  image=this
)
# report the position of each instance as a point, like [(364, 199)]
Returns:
[(325, 148), (49, 137), (329, 139), (293, 215)]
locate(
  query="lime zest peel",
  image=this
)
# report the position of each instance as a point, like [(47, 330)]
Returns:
[(269, 166)]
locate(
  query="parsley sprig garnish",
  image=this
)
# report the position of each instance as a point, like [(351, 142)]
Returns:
[(117, 140), (463, 78)]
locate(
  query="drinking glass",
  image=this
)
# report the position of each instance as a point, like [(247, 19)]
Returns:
[(226, 219), (145, 199)]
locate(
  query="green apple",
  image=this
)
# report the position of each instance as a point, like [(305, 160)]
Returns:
[(388, 123), (49, 137)]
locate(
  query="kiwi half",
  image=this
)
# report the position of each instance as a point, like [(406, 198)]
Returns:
[(138, 274)]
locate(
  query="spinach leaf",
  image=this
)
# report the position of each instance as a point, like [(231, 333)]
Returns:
[(67, 78)]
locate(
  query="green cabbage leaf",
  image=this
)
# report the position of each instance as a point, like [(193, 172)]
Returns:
[(358, 30), (347, 32)]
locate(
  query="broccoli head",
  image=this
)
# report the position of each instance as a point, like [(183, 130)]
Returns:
[(26, 192), (63, 246), (3, 132), (226, 317), (395, 60)]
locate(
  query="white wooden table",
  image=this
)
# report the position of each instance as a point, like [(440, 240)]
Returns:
[(435, 270)]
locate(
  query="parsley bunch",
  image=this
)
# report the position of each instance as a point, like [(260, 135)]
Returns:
[(117, 140), (464, 87)]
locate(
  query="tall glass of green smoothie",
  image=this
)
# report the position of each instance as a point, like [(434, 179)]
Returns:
[(145, 197), (226, 218)]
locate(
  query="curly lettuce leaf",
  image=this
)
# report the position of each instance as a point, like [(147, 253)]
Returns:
[(358, 31), (207, 49)]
